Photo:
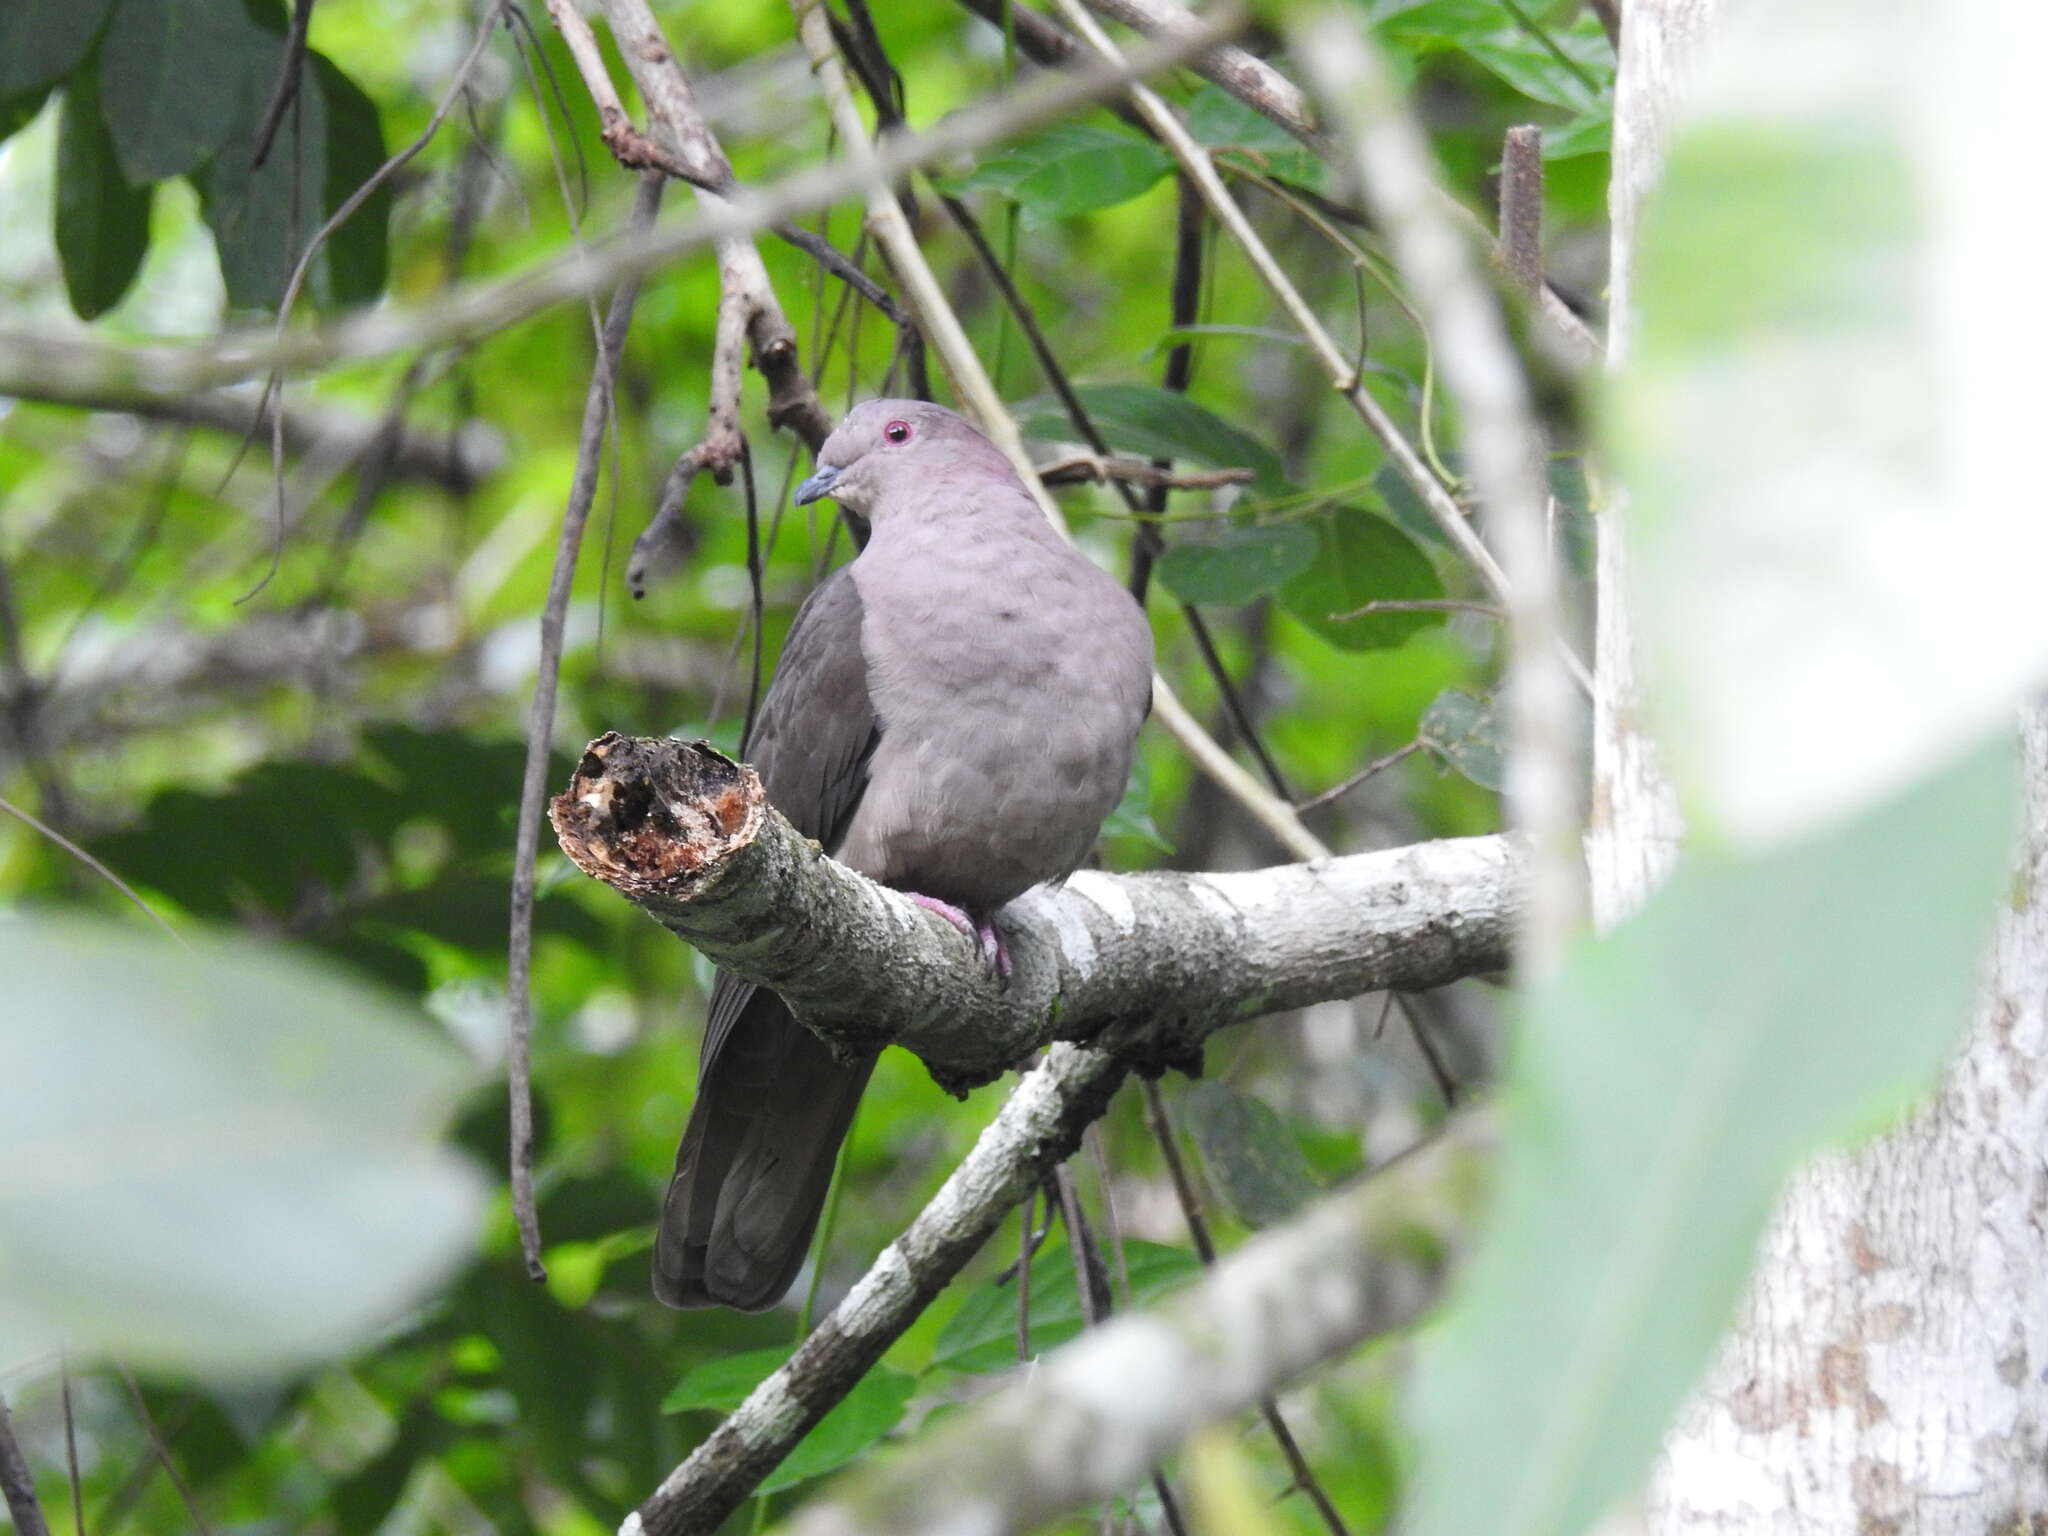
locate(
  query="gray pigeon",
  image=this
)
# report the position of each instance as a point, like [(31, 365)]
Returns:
[(954, 715)]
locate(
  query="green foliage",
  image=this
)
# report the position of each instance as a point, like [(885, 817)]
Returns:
[(981, 1335), (1251, 1158), (102, 222), (1363, 559), (156, 52), (1468, 734), (1243, 562), (1663, 1087), (1144, 419), (1070, 169), (41, 41)]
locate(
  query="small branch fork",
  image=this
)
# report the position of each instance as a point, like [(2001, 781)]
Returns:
[(1141, 967)]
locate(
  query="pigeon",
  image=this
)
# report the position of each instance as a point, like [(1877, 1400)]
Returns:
[(954, 715)]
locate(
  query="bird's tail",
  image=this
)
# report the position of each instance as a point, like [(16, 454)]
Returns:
[(773, 1105)]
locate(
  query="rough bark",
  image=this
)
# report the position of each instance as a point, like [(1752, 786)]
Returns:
[(1886, 1373), (1143, 965)]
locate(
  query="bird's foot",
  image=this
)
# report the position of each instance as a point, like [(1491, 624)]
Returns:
[(987, 942)]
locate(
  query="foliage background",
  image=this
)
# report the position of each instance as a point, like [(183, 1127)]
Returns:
[(325, 755)]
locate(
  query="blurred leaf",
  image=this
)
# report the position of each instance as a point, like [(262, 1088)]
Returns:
[(1221, 121), (1069, 169), (1663, 1087), (222, 1160), (1485, 32), (722, 1385), (982, 1334), (1467, 733), (1245, 561), (41, 41), (1362, 559), (1251, 1157), (358, 256), (1407, 507), (17, 112), (102, 222), (262, 218), (171, 73), (1160, 424), (1590, 133)]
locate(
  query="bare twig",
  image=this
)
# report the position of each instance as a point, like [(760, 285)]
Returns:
[(1521, 207), (289, 74), (1505, 449), (1377, 766), (95, 866), (17, 1483), (1096, 470), (53, 365), (540, 733), (160, 1448), (1421, 605), (71, 1451)]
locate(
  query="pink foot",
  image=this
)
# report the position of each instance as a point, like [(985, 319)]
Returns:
[(994, 953)]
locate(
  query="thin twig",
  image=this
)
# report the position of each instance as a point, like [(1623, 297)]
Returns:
[(540, 733), (95, 866), (1026, 1247), (1521, 206), (1094, 469), (286, 90), (161, 1450), (1421, 605), (17, 1483), (1160, 1119), (1376, 766), (71, 1451), (1504, 447)]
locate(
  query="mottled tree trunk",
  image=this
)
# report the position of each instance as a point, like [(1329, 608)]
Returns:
[(1886, 1372)]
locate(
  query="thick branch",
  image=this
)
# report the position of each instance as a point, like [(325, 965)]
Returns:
[(1089, 1421), (1145, 965)]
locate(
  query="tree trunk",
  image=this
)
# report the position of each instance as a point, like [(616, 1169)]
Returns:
[(1886, 1372)]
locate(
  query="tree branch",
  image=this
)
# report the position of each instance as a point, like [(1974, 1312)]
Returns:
[(1091, 1419), (1144, 965), (17, 1483)]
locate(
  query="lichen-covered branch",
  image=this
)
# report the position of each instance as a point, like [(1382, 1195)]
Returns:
[(1094, 1415), (1141, 965)]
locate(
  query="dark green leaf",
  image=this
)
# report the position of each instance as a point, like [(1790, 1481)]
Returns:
[(1159, 424), (41, 41), (1133, 814), (171, 74), (1663, 1086), (863, 1417), (260, 220), (1466, 733), (1486, 33), (1407, 507), (1069, 169), (723, 1384), (357, 256), (1250, 1156), (17, 112), (1590, 133), (263, 1131), (102, 222), (1222, 122), (1362, 559), (982, 1335), (1246, 561)]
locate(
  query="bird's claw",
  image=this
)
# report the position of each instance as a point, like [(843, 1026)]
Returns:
[(995, 955)]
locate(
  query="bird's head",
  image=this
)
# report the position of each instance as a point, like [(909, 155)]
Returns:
[(888, 451)]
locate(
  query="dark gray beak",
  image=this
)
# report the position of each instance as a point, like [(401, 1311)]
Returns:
[(820, 484)]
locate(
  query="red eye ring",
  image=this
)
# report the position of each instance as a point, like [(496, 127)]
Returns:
[(897, 432)]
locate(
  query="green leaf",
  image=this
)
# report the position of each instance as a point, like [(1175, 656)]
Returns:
[(171, 72), (102, 222), (17, 112), (41, 41), (1159, 424), (259, 222), (221, 1160), (867, 1413), (1590, 133), (1466, 733), (1488, 34), (1407, 507), (1133, 814), (357, 257), (1362, 559), (982, 1335), (1069, 169), (1249, 1154), (1222, 122), (1662, 1088), (1246, 561)]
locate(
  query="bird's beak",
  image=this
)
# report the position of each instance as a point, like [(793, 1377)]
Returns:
[(820, 484)]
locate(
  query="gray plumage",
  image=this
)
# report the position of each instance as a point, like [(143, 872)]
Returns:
[(954, 714)]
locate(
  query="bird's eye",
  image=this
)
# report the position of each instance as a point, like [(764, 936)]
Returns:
[(897, 431)]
